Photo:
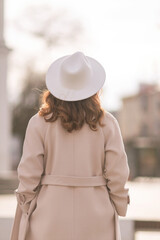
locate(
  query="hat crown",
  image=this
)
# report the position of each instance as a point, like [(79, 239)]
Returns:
[(75, 70)]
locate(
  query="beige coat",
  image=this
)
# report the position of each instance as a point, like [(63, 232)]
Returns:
[(71, 185)]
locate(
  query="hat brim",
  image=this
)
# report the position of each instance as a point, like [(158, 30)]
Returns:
[(59, 91)]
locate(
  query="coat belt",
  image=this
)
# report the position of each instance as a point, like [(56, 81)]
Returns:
[(73, 180)]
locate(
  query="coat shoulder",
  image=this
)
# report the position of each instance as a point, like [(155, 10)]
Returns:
[(37, 119), (38, 123), (109, 118), (111, 125)]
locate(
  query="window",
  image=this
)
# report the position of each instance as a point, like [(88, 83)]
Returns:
[(144, 130), (144, 102)]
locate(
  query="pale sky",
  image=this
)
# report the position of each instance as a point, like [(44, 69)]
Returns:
[(123, 35)]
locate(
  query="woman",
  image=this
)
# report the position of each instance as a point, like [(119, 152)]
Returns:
[(74, 168)]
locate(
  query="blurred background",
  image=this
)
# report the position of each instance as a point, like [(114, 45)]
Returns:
[(124, 35)]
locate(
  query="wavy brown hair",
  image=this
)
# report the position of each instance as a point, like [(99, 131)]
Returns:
[(73, 114)]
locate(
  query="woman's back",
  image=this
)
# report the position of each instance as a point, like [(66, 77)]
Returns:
[(78, 153), (72, 184)]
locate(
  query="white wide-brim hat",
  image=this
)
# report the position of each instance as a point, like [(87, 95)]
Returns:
[(75, 77)]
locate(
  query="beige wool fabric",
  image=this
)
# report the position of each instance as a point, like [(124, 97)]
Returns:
[(71, 185)]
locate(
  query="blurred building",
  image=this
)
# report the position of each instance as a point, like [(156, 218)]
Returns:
[(139, 119)]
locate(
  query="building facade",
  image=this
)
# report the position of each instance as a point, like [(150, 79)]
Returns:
[(139, 120)]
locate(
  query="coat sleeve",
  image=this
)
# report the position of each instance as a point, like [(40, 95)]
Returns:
[(31, 165), (116, 169)]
